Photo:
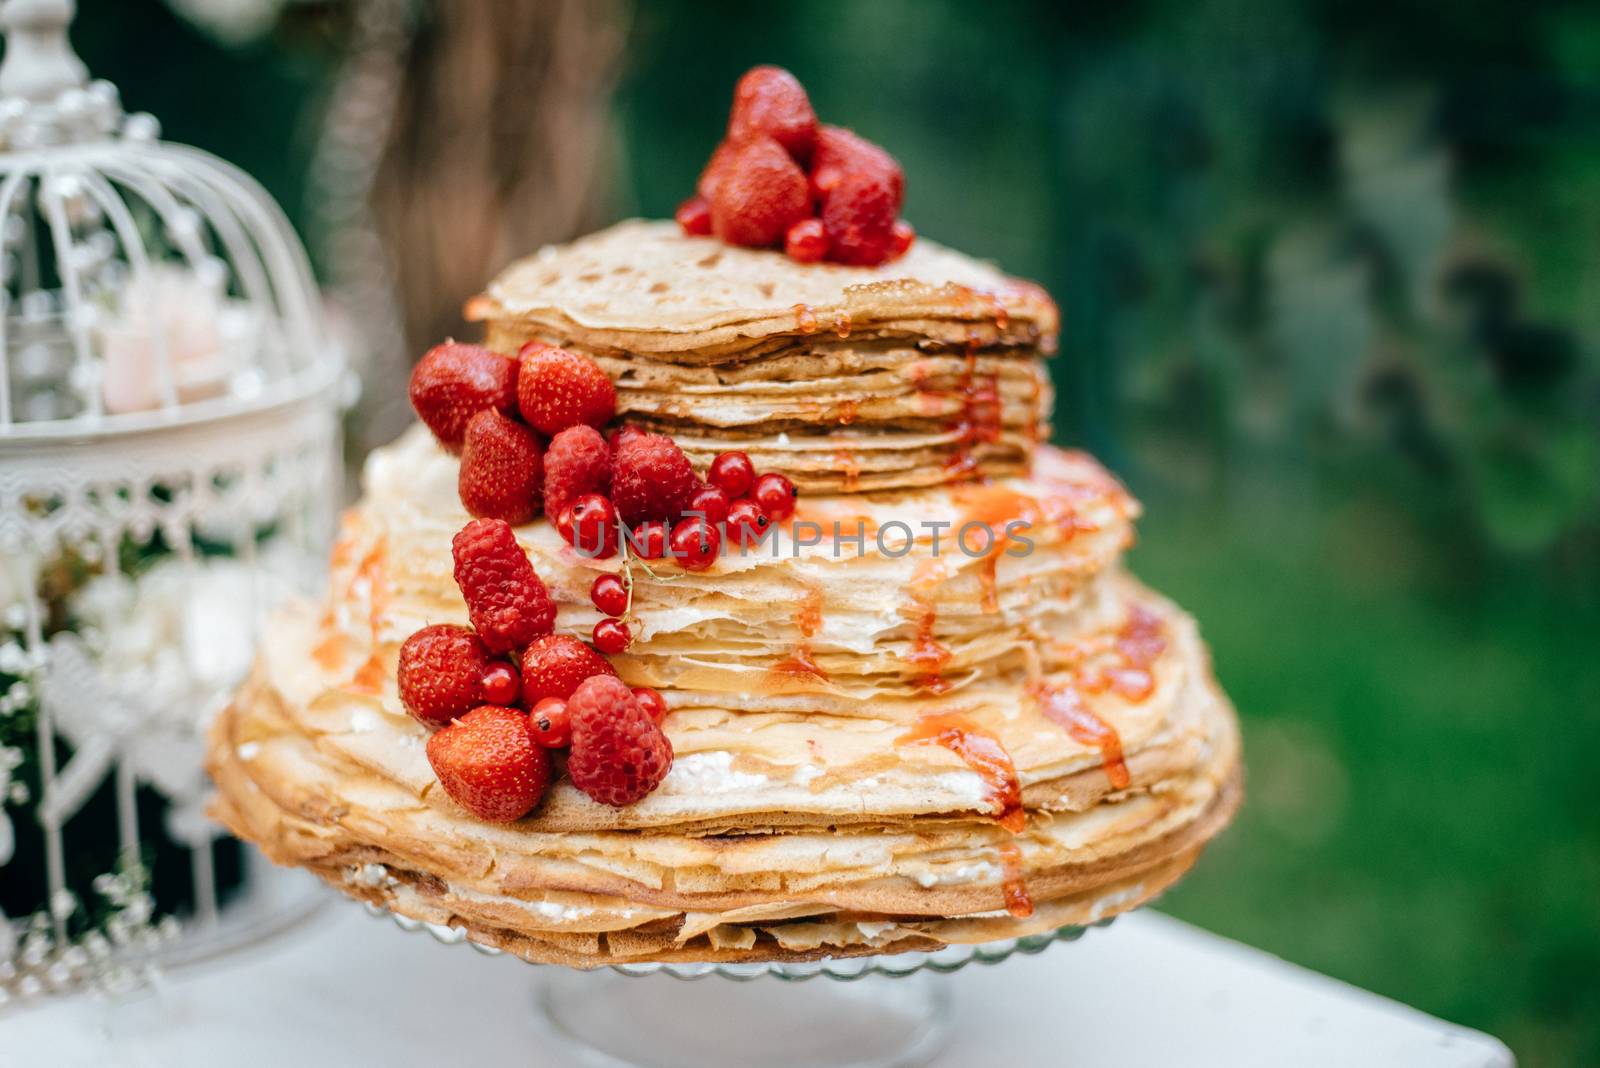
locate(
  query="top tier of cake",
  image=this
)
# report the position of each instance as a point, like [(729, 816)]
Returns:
[(917, 373)]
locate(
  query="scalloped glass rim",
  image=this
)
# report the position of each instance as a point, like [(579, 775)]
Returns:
[(949, 959)]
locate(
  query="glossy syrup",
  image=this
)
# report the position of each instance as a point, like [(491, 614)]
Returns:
[(980, 751)]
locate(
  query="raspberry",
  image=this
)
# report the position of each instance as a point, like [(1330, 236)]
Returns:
[(609, 594), (695, 544), (694, 216), (770, 101), (776, 496), (502, 469), (506, 601), (489, 764), (733, 473), (840, 152), (710, 503), (859, 216), (651, 478), (618, 753), (454, 382), (554, 665), (552, 727), (557, 389), (806, 241), (760, 193), (578, 461), (611, 636), (441, 673)]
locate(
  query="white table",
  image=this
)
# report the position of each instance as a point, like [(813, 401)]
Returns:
[(348, 990)]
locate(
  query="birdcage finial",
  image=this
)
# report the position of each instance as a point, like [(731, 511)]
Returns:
[(39, 62)]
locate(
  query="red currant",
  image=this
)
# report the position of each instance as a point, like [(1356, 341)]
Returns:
[(694, 215), (552, 727), (594, 526), (500, 684), (900, 239), (775, 494), (652, 702), (611, 636), (695, 544), (806, 241), (649, 539), (711, 504), (564, 524), (747, 522), (609, 595), (732, 473)]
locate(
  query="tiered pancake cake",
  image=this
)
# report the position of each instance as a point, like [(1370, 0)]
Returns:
[(882, 744)]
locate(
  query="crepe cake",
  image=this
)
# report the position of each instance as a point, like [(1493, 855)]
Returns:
[(891, 733)]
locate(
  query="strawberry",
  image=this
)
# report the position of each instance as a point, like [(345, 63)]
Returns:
[(806, 241), (859, 216), (578, 461), (618, 754), (489, 764), (554, 665), (716, 167), (651, 478), (902, 237), (769, 101), (441, 673), (506, 601), (557, 389), (453, 382), (694, 216), (840, 152), (502, 469), (759, 194)]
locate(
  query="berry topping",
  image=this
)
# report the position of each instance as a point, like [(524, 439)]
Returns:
[(649, 539), (716, 167), (711, 504), (502, 469), (760, 193), (506, 601), (609, 595), (441, 673), (695, 544), (454, 382), (770, 101), (841, 152), (859, 216), (694, 215), (806, 241), (594, 527), (618, 752), (554, 665), (611, 636), (564, 524), (500, 684), (578, 461), (651, 478), (557, 389), (488, 763), (776, 495), (733, 473), (902, 237), (552, 727), (747, 522), (651, 702)]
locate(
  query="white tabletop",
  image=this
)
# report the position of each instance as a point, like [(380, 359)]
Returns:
[(347, 989)]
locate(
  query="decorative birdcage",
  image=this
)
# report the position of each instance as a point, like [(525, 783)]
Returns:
[(169, 467)]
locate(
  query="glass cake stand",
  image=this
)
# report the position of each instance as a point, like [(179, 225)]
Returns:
[(883, 1012)]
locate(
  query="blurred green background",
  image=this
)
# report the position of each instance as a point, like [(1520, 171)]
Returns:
[(1329, 274)]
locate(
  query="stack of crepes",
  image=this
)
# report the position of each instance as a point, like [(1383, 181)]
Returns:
[(882, 744)]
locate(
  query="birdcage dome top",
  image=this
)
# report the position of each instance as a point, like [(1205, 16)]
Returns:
[(142, 283)]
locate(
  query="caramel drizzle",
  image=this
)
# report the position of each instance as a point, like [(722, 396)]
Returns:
[(927, 654), (983, 753), (1064, 706), (805, 320), (800, 664), (1014, 888)]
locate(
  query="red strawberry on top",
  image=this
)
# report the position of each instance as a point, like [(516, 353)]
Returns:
[(651, 478), (759, 193), (770, 101), (502, 469), (454, 382), (618, 754), (840, 152), (694, 216), (441, 673), (489, 764), (578, 461), (557, 389), (554, 666), (859, 216), (506, 601), (716, 167)]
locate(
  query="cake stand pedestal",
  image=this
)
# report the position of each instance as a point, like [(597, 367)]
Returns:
[(879, 1012)]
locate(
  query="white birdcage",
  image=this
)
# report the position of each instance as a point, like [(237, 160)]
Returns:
[(169, 467)]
